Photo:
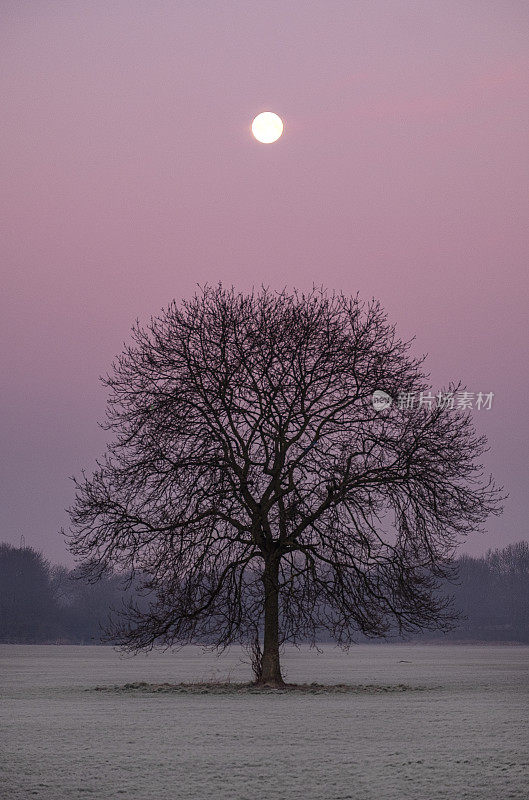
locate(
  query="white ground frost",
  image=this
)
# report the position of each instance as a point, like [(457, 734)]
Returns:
[(431, 722)]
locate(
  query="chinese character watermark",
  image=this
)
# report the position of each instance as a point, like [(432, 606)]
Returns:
[(460, 401)]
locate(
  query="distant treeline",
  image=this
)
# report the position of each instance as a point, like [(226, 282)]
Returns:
[(492, 595), (41, 603)]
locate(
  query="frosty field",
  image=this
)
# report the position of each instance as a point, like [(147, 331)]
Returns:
[(459, 729)]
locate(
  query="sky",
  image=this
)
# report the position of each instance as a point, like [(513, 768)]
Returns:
[(129, 175)]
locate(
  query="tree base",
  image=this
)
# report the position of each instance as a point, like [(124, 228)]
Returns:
[(271, 683)]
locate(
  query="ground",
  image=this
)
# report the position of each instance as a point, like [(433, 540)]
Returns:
[(424, 722)]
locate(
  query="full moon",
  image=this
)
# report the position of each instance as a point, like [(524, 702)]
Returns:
[(267, 127)]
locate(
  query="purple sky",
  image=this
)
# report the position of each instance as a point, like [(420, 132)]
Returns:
[(129, 174)]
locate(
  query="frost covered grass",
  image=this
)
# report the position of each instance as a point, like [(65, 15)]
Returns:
[(251, 688), (418, 722)]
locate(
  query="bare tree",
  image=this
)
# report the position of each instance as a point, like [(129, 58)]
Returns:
[(253, 485), (27, 603)]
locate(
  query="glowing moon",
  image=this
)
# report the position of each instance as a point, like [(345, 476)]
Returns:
[(267, 127)]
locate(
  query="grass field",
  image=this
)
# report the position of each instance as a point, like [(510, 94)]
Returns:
[(428, 722)]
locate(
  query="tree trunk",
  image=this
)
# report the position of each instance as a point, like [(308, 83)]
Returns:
[(271, 669)]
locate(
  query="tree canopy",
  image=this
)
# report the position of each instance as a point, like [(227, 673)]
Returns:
[(255, 488)]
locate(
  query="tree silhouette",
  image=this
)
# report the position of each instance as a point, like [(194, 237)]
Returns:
[(27, 603), (253, 486)]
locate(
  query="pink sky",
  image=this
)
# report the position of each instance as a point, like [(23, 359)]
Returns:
[(129, 174)]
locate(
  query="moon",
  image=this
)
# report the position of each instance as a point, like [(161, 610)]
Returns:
[(267, 127)]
